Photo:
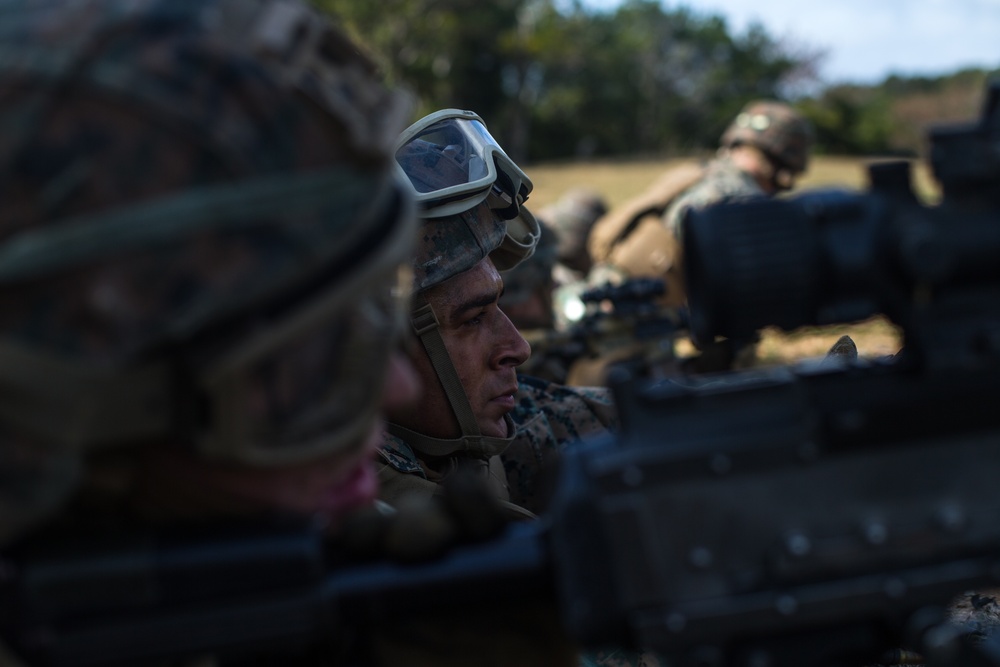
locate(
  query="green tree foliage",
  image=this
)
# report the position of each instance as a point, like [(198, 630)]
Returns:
[(916, 103), (850, 120), (554, 80), (450, 52), (892, 118)]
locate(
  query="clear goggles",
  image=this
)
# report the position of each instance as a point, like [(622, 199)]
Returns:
[(451, 163)]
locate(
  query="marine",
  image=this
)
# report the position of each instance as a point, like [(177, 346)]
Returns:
[(762, 153), (476, 413)]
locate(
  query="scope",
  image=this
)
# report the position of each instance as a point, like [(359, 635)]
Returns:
[(835, 256)]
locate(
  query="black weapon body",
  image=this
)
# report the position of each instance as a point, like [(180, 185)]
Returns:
[(798, 514)]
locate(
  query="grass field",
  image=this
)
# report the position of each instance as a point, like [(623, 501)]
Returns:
[(620, 180)]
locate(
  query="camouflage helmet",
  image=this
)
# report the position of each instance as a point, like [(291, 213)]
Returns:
[(201, 239), (471, 197), (777, 129)]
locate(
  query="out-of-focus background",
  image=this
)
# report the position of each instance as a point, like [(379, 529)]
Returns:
[(565, 79), (606, 93)]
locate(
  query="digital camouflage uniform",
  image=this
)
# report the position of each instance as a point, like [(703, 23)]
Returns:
[(166, 168), (624, 244), (785, 139), (547, 418), (722, 181)]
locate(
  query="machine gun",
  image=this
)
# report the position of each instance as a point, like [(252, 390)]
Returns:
[(809, 513), (619, 323), (812, 514)]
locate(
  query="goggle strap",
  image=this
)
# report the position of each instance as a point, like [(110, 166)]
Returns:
[(430, 337)]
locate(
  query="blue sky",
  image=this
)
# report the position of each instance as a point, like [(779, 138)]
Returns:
[(865, 40)]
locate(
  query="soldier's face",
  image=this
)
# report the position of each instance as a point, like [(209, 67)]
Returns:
[(485, 348)]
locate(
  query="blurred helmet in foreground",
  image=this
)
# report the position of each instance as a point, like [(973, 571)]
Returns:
[(201, 240)]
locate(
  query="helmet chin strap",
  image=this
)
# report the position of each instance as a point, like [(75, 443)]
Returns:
[(472, 441)]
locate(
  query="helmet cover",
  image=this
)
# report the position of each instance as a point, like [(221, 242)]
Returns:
[(775, 128)]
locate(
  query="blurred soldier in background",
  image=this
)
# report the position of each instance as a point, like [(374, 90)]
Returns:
[(475, 413), (528, 287), (572, 217), (527, 300), (533, 287), (761, 154)]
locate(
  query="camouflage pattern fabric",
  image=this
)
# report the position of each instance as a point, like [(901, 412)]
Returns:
[(127, 123), (979, 611), (229, 118), (454, 244), (723, 181), (547, 418), (404, 475)]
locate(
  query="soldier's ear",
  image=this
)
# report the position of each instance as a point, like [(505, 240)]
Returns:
[(784, 179)]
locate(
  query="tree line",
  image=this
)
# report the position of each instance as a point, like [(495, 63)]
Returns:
[(554, 80)]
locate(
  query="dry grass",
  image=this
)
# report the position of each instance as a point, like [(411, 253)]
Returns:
[(620, 180), (876, 337)]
